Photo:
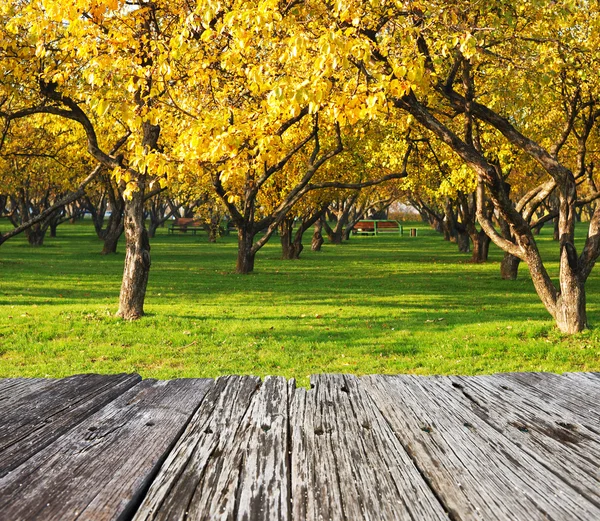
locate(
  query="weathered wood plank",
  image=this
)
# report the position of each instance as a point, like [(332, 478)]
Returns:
[(476, 471), (585, 378), (265, 472), (39, 417), (580, 400), (100, 469), (13, 389), (556, 440), (231, 461), (347, 464)]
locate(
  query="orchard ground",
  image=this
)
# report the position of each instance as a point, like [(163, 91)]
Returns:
[(372, 305)]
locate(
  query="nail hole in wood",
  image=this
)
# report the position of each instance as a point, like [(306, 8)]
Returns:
[(149, 424), (427, 429), (208, 431), (265, 427), (319, 431), (457, 385), (468, 425), (92, 428), (505, 387), (345, 389), (366, 425)]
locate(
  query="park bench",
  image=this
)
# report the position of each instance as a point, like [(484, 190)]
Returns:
[(183, 224), (375, 227)]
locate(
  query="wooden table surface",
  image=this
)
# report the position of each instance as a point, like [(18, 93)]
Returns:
[(522, 446)]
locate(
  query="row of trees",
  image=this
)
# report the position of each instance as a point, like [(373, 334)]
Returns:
[(488, 113), (103, 203)]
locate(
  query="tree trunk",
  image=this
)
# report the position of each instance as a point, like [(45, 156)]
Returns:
[(481, 247), (438, 226), (153, 226), (213, 228), (285, 233), (571, 315), (297, 246), (448, 232), (112, 233), (556, 234), (137, 260), (245, 259), (336, 235), (35, 235), (111, 239), (463, 241), (346, 233), (53, 226), (509, 267), (317, 238)]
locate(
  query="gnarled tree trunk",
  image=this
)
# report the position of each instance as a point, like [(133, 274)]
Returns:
[(463, 242), (571, 314), (137, 256), (112, 233), (481, 247), (509, 267), (137, 260), (245, 258), (35, 235), (288, 249), (335, 235), (317, 238)]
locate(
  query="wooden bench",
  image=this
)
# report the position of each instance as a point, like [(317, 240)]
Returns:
[(364, 228), (183, 224), (375, 227)]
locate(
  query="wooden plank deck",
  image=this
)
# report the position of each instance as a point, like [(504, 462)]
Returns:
[(516, 446)]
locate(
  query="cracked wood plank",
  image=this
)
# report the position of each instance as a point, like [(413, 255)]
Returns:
[(347, 464), (580, 400), (14, 389), (550, 435), (50, 409), (231, 463), (476, 471), (99, 469)]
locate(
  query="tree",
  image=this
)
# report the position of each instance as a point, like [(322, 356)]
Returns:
[(439, 66), (39, 163), (101, 68)]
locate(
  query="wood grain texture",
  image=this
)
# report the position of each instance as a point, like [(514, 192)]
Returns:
[(552, 436), (584, 378), (522, 446), (347, 464), (231, 462), (99, 469), (580, 399), (13, 389), (44, 410), (476, 471)]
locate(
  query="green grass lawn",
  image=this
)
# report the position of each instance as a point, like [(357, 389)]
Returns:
[(373, 305)]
